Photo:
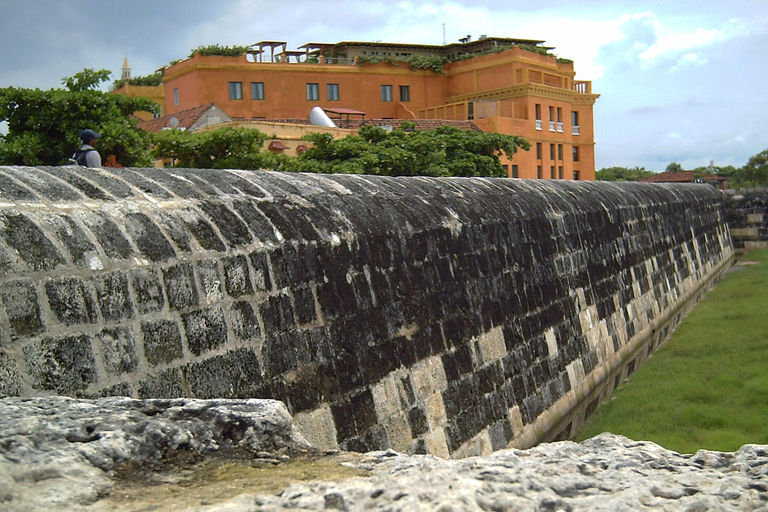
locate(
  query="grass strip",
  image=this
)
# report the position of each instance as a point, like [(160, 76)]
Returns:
[(707, 386)]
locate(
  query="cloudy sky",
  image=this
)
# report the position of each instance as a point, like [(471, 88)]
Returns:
[(680, 80)]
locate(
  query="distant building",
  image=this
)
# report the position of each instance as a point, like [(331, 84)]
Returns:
[(720, 182), (502, 85)]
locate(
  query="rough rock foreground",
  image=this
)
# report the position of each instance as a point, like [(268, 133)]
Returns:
[(61, 454)]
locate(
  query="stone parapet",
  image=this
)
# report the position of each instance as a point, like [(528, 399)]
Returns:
[(453, 316)]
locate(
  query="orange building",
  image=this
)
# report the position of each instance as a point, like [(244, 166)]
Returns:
[(493, 82)]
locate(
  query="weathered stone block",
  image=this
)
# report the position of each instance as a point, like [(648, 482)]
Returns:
[(205, 328), (118, 350), (21, 233), (21, 305), (180, 286), (236, 374), (148, 290), (166, 384), (244, 322), (113, 296), (162, 341), (210, 280), (148, 237), (237, 276), (71, 300), (64, 365)]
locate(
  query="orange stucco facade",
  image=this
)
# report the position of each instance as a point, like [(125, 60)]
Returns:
[(514, 91)]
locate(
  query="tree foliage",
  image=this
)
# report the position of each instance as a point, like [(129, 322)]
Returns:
[(217, 49), (223, 148), (44, 126), (755, 172), (674, 167), (622, 174), (405, 151)]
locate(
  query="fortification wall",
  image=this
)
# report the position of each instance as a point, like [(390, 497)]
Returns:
[(747, 215), (451, 316)]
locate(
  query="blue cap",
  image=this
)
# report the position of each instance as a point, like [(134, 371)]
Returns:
[(87, 135)]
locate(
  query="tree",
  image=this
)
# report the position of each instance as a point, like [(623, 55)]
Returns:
[(674, 167), (223, 148), (755, 172), (622, 174), (44, 126), (407, 151)]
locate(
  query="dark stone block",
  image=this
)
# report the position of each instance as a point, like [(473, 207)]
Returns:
[(30, 242), (235, 374), (303, 395), (262, 278), (72, 237), (202, 230), (279, 353), (210, 280), (21, 305), (376, 439), (109, 236), (277, 314), (244, 322), (344, 419), (166, 384), (71, 300), (377, 361), (121, 389), (237, 276), (148, 290), (118, 350), (10, 381), (180, 286), (113, 296), (405, 350), (174, 228), (347, 371), (256, 221), (162, 341), (417, 420), (230, 226), (500, 433), (148, 237), (64, 365), (304, 303), (206, 329)]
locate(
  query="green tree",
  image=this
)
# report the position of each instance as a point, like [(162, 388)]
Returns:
[(674, 167), (622, 174), (44, 126), (755, 172), (407, 151), (223, 148)]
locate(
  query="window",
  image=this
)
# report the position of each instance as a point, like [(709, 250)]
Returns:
[(575, 153), (559, 120), (559, 151), (514, 171), (537, 108), (538, 151), (551, 151), (471, 110), (576, 175), (257, 90), (313, 92), (552, 171), (333, 92), (176, 96), (235, 90), (574, 123), (386, 93), (551, 119), (560, 171), (538, 171), (405, 93)]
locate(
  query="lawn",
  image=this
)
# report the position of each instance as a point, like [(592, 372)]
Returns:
[(707, 386)]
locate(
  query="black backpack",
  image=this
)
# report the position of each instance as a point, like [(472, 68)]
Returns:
[(79, 157)]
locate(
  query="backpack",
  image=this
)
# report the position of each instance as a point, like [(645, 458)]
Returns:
[(79, 157)]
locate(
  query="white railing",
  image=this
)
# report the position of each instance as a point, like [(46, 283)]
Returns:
[(538, 124), (551, 126), (575, 130), (560, 127)]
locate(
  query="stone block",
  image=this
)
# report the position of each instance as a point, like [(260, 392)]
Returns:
[(244, 322), (206, 329), (234, 231), (148, 290), (113, 296), (108, 234), (29, 241), (210, 280), (317, 427), (237, 276), (148, 237), (262, 279), (118, 350), (19, 298), (71, 300), (234, 374), (72, 236), (166, 384), (10, 381), (64, 365), (201, 230), (180, 286), (162, 341)]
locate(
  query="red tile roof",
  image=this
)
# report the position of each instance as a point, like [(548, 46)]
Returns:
[(186, 119)]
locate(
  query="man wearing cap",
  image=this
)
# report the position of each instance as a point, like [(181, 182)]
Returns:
[(87, 154)]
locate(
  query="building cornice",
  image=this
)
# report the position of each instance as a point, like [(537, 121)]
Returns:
[(517, 91)]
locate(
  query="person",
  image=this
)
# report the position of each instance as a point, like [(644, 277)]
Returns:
[(87, 154)]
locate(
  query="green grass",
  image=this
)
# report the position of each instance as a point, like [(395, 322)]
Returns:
[(707, 387)]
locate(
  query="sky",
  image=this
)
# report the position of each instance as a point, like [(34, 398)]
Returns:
[(679, 81)]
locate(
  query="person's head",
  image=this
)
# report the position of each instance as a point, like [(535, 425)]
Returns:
[(89, 137)]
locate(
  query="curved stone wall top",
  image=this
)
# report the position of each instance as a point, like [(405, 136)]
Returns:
[(415, 313)]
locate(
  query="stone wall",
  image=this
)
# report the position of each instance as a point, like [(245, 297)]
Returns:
[(451, 316), (747, 215)]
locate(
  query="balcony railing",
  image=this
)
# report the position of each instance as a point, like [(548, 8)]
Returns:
[(575, 130), (538, 124), (560, 127), (552, 126), (582, 87)]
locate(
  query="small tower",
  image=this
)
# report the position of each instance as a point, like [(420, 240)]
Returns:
[(126, 70)]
